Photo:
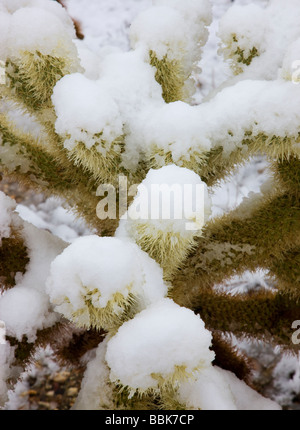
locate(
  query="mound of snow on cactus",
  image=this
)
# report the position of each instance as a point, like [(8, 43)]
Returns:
[(145, 353), (96, 272)]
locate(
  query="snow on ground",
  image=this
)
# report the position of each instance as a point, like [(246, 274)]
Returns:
[(51, 216)]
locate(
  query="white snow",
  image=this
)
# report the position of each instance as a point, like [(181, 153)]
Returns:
[(42, 248), (160, 29), (209, 391), (171, 199), (286, 376), (106, 23), (36, 25), (4, 31), (266, 107), (174, 31), (127, 85), (51, 215), (7, 205), (85, 108), (148, 345), (291, 63), (24, 311), (94, 269), (96, 391), (26, 308), (219, 389), (277, 26)]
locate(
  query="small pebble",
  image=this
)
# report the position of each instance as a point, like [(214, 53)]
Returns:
[(73, 391), (61, 377)]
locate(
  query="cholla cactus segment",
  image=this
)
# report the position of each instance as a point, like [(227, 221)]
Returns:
[(255, 39), (37, 29), (85, 109), (170, 209), (145, 355), (223, 131), (39, 49), (89, 120), (243, 42), (129, 80), (32, 77), (100, 282), (256, 130), (174, 134), (173, 34)]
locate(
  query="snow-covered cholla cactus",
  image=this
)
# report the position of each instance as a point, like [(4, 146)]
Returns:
[(170, 208), (135, 301), (35, 61), (101, 282)]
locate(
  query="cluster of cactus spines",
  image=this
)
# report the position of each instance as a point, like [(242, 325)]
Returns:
[(263, 232), (22, 77)]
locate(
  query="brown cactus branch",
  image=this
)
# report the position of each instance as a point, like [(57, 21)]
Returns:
[(262, 315), (13, 259)]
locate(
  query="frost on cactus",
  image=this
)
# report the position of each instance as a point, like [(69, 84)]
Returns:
[(69, 125), (101, 282)]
